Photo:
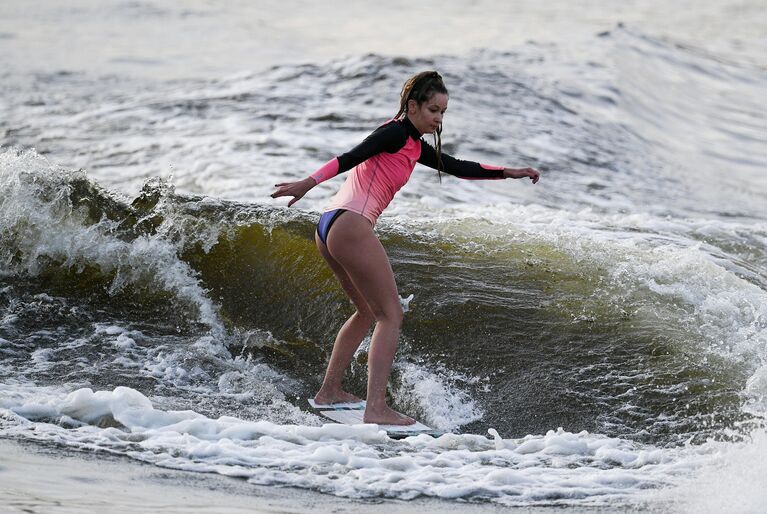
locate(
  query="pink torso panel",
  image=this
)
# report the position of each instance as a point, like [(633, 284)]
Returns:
[(372, 184)]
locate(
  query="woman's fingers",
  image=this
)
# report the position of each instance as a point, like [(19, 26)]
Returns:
[(295, 189), (288, 189), (296, 197), (283, 189)]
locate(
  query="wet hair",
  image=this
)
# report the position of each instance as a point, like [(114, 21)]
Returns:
[(422, 87)]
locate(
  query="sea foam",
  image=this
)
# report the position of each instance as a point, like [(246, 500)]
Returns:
[(359, 461)]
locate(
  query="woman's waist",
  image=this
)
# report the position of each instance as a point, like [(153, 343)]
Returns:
[(369, 213)]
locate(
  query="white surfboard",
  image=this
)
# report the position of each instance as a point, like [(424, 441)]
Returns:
[(350, 413)]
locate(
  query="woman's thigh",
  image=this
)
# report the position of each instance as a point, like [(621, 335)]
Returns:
[(352, 244), (343, 278)]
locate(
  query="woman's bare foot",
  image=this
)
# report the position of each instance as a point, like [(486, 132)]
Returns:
[(385, 416), (324, 397)]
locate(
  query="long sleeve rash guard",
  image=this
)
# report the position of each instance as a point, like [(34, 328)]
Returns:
[(383, 163)]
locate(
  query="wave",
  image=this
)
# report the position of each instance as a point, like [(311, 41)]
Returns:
[(614, 327), (177, 285)]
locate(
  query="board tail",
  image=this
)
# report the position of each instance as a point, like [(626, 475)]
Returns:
[(360, 405)]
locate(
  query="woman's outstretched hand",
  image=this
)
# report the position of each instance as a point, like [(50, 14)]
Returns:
[(295, 189), (522, 173)]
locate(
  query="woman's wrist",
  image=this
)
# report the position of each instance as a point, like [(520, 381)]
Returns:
[(530, 173)]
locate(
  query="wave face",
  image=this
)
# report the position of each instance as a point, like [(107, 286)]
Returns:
[(623, 299)]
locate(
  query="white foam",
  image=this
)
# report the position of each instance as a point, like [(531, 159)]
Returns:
[(436, 394), (756, 391), (354, 461), (733, 479), (123, 342), (37, 214), (405, 302), (41, 358)]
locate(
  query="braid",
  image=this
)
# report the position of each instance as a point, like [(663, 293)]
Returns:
[(438, 147), (421, 87)]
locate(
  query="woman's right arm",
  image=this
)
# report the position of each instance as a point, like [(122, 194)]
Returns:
[(386, 138)]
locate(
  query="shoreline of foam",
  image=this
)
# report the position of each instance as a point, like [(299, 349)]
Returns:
[(54, 479)]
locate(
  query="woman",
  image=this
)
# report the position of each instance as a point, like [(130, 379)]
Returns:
[(382, 164)]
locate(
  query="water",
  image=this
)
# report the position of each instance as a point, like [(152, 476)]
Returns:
[(597, 339)]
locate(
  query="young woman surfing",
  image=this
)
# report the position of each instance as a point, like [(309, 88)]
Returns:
[(382, 164)]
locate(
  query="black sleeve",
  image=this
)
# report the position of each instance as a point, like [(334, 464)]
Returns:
[(453, 166), (386, 138)]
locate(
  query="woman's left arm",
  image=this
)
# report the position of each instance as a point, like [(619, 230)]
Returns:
[(472, 170)]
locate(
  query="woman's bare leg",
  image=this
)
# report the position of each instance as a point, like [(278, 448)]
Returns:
[(349, 337), (354, 246)]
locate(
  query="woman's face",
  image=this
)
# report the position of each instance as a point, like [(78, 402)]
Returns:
[(427, 116)]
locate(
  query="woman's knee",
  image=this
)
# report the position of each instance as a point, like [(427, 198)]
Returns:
[(392, 314), (365, 315)]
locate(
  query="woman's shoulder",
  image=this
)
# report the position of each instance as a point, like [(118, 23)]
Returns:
[(393, 125), (392, 135)]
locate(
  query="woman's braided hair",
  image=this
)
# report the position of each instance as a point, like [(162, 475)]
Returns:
[(421, 87)]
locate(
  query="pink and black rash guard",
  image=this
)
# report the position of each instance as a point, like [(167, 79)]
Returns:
[(383, 163)]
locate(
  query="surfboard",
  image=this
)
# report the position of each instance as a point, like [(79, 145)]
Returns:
[(350, 413)]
